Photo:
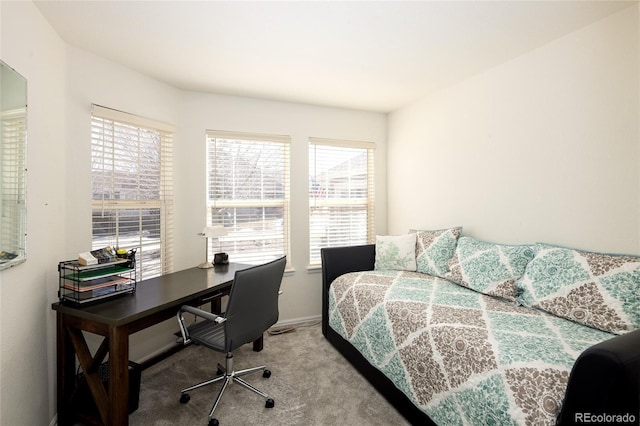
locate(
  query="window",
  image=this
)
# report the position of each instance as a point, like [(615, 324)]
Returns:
[(341, 194), (248, 193), (131, 176)]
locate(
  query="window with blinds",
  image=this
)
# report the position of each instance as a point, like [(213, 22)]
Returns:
[(12, 184), (132, 201), (248, 194), (341, 194)]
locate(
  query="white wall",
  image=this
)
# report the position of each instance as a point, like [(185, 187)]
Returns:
[(96, 80), (302, 291), (27, 339), (561, 122), (541, 148), (63, 83)]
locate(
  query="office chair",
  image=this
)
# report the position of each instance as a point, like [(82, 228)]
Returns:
[(252, 308)]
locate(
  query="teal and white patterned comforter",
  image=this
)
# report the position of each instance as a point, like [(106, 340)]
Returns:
[(460, 356)]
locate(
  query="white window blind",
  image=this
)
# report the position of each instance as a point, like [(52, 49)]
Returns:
[(341, 194), (248, 193), (132, 201), (13, 187)]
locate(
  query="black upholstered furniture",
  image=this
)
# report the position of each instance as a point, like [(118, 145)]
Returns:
[(604, 380), (251, 310)]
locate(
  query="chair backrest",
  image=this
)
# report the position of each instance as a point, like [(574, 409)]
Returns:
[(253, 303)]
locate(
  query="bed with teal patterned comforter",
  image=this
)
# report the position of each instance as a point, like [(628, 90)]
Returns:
[(460, 356)]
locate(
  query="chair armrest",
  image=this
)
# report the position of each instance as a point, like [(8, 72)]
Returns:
[(184, 331), (338, 261), (203, 314), (605, 379)]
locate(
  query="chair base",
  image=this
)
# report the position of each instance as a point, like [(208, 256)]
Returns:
[(227, 375)]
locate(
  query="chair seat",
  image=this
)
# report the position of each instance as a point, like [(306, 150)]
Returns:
[(208, 333)]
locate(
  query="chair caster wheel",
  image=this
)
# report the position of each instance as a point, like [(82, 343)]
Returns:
[(270, 403), (184, 398), (214, 422), (219, 372), (266, 374)]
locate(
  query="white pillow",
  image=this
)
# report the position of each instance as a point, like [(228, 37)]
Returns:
[(396, 252)]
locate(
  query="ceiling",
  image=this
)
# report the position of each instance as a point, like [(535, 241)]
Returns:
[(367, 55)]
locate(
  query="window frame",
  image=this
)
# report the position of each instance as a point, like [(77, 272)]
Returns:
[(234, 243), (109, 201), (324, 198)]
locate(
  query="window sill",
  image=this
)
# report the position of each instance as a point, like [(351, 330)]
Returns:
[(314, 269)]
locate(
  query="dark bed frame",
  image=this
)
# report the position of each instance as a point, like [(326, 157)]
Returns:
[(604, 380)]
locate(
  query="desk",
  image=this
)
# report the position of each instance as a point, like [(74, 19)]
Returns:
[(155, 300)]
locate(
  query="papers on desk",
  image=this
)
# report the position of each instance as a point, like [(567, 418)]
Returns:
[(95, 284), (95, 257)]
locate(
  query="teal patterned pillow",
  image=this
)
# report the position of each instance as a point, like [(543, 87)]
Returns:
[(396, 252), (434, 249), (596, 289), (489, 268)]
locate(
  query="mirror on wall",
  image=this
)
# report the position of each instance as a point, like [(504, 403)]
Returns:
[(13, 141)]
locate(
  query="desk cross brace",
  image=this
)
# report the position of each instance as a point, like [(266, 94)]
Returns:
[(90, 366), (111, 407)]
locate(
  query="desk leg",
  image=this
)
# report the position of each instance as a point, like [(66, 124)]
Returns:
[(65, 371), (216, 305), (119, 375), (258, 344)]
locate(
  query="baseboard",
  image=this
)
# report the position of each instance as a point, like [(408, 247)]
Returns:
[(296, 322), (172, 348)]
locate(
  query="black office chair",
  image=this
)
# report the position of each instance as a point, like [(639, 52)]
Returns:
[(252, 308)]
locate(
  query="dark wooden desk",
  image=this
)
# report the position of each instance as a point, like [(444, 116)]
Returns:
[(155, 300)]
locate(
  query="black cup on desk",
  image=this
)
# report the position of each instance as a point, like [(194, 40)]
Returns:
[(221, 259)]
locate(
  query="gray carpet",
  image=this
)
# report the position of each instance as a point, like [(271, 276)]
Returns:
[(311, 383)]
